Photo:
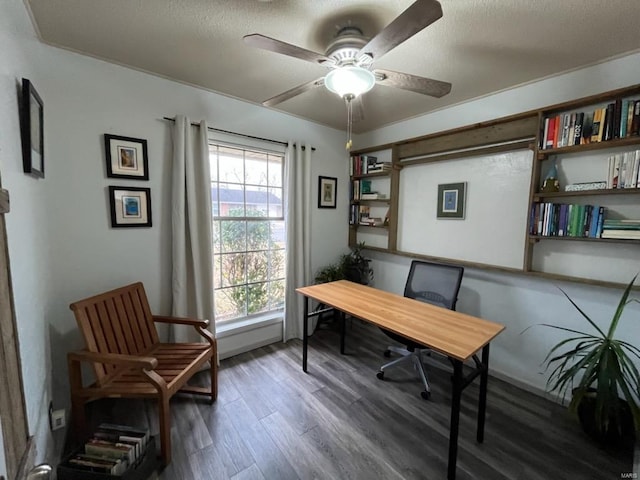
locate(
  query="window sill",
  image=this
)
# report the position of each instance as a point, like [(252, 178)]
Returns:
[(242, 325)]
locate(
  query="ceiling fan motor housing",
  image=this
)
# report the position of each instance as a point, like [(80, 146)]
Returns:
[(345, 47)]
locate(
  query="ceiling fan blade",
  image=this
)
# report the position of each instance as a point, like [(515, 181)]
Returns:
[(267, 43), (419, 15), (414, 83), (305, 87)]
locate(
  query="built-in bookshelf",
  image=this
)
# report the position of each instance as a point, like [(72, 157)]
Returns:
[(370, 198), (598, 179), (592, 148)]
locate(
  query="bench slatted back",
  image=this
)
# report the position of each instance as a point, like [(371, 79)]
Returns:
[(118, 321)]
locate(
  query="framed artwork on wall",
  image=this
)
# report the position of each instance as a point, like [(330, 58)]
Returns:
[(32, 130), (451, 200), (130, 207), (126, 157), (327, 192)]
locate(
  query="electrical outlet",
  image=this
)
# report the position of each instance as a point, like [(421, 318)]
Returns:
[(57, 419)]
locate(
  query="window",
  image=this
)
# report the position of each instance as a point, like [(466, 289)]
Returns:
[(248, 231)]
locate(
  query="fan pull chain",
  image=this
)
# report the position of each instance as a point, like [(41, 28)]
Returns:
[(348, 99)]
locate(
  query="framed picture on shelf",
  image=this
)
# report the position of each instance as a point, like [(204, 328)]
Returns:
[(130, 207), (327, 192), (451, 200), (32, 130), (126, 157)]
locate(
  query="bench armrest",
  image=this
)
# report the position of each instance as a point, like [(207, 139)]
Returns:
[(145, 363)]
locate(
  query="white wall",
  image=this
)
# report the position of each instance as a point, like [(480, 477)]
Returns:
[(518, 301), (61, 246)]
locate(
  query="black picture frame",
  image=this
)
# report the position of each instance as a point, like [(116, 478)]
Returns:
[(327, 192), (126, 157), (32, 130), (452, 200), (130, 206)]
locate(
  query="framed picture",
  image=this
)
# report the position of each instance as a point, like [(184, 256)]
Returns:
[(327, 192), (32, 130), (451, 200), (130, 206), (126, 157)]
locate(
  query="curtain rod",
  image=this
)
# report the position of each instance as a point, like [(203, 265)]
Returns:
[(313, 149)]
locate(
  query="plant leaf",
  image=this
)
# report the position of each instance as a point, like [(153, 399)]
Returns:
[(593, 324), (620, 309)]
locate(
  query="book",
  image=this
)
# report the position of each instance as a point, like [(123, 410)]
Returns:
[(577, 135), (104, 448), (550, 132), (127, 430), (635, 123), (587, 129), (595, 126), (624, 114)]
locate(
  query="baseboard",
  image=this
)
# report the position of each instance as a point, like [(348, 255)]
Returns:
[(248, 347)]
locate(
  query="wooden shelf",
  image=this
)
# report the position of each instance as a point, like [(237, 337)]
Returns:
[(370, 175), (606, 145), (536, 238), (377, 200), (380, 227), (588, 193)]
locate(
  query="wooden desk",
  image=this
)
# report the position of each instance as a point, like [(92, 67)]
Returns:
[(454, 334)]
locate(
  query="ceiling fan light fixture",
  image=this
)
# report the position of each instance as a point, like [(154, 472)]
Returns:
[(352, 81)]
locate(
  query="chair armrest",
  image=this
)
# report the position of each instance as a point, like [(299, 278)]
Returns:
[(145, 363), (199, 325), (181, 321)]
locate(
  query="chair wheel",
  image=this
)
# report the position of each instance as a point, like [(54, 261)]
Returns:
[(387, 353), (426, 395), (380, 375)]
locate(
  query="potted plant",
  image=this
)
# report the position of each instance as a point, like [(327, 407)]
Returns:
[(608, 383), (352, 266)]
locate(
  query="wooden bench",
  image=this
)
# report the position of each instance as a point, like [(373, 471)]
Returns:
[(128, 359)]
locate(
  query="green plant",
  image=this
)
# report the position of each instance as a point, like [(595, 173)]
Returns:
[(238, 236), (352, 266), (602, 366)]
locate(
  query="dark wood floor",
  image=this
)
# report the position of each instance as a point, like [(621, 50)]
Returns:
[(272, 421)]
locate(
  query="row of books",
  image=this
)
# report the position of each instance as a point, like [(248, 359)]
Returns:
[(618, 119), (622, 229), (361, 190), (365, 164), (112, 450), (566, 220), (623, 170)]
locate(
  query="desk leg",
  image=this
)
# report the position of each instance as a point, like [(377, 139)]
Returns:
[(455, 418), (482, 402), (305, 333), (343, 331)]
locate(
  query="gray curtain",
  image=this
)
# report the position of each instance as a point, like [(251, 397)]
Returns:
[(298, 222), (191, 221)]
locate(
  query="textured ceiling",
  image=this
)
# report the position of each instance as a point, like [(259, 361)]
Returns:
[(479, 46)]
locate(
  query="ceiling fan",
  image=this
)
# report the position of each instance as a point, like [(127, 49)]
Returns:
[(350, 57)]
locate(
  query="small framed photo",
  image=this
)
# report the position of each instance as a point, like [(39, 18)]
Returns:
[(327, 192), (130, 206), (451, 200), (126, 157), (32, 130)]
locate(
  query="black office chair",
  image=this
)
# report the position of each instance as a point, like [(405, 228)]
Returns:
[(430, 282)]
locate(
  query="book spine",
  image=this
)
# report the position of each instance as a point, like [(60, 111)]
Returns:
[(578, 129), (635, 124), (624, 113), (617, 117)]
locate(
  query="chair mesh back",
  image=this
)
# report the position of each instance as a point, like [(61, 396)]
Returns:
[(434, 283)]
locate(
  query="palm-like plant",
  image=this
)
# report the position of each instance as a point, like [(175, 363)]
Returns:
[(602, 365)]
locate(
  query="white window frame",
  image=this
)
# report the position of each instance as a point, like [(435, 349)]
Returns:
[(246, 323)]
